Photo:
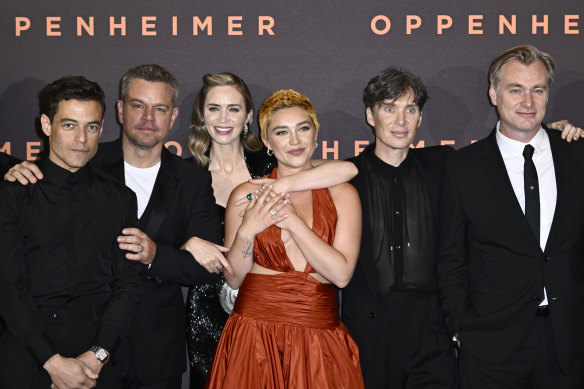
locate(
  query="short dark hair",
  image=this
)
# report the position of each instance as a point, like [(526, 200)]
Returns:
[(150, 73), (393, 83), (69, 88)]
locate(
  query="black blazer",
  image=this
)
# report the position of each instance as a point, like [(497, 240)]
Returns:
[(491, 268), (182, 205), (6, 162), (358, 303)]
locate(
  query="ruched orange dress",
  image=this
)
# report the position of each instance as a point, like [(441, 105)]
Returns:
[(284, 331)]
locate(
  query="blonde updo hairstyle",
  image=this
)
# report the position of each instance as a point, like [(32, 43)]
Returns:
[(284, 98), (199, 141)]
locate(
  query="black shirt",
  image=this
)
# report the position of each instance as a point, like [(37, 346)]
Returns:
[(400, 217), (59, 249)]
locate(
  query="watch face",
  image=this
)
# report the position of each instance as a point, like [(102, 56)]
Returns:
[(101, 354)]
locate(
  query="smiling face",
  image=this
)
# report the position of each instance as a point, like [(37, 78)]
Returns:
[(291, 134), (224, 114), (521, 98), (74, 133), (395, 122), (147, 113)]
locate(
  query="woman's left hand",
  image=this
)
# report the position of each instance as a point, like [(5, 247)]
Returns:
[(207, 254)]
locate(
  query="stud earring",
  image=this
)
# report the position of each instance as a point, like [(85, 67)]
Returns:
[(245, 131)]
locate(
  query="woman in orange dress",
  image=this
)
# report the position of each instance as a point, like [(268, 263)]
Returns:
[(288, 254)]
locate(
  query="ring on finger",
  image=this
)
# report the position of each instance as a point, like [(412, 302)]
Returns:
[(141, 248), (219, 266), (249, 196), (273, 212)]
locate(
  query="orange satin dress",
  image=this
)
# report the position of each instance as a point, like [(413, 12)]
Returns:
[(285, 331)]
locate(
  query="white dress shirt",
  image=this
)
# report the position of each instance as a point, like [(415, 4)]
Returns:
[(512, 152)]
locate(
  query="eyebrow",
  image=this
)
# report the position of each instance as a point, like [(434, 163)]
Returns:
[(77, 121), (136, 100), (297, 125), (218, 105)]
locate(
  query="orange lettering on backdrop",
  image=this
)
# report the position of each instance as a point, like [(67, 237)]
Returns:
[(174, 26), (88, 27), (504, 22), (53, 25), (234, 23), (148, 25), (447, 142), (535, 24), (117, 26), (475, 25), (5, 149), (326, 150), (386, 23), (412, 22), (21, 24), (360, 146), (569, 23), (176, 145), (32, 151), (265, 23), (207, 24), (444, 22), (421, 144)]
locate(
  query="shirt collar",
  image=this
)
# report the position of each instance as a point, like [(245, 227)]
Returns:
[(59, 175), (511, 148)]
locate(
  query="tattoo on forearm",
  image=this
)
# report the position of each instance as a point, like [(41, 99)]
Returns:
[(248, 251)]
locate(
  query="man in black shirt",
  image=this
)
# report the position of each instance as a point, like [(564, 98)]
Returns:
[(175, 203), (391, 304), (67, 293)]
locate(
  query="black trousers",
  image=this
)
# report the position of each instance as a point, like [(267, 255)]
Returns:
[(71, 329), (411, 348), (533, 364), (130, 379)]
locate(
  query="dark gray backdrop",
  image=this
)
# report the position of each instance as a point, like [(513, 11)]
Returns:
[(325, 49)]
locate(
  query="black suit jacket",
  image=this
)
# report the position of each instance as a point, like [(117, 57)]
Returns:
[(359, 297), (6, 162), (182, 205), (491, 267)]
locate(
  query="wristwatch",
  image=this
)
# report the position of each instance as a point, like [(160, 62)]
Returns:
[(100, 353)]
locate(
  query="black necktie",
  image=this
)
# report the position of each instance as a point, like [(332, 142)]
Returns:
[(531, 190)]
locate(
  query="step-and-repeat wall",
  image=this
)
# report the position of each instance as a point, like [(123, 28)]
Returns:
[(325, 49)]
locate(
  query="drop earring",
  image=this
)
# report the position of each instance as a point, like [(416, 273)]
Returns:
[(204, 125), (269, 152), (245, 131)]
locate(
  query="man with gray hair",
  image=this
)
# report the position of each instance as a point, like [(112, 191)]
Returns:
[(175, 203), (512, 230)]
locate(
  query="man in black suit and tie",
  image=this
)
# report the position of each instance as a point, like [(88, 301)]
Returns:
[(511, 263), (175, 203)]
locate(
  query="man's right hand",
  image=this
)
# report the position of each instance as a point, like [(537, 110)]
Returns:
[(70, 373), (24, 173)]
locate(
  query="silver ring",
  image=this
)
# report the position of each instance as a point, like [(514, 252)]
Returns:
[(219, 266), (273, 213), (141, 248)]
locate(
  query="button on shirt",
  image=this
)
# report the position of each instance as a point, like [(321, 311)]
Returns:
[(59, 249), (512, 153)]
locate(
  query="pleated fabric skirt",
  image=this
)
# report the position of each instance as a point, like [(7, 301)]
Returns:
[(284, 332)]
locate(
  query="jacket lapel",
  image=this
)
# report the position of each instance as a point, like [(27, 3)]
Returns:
[(496, 173), (110, 156), (162, 195), (564, 171)]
